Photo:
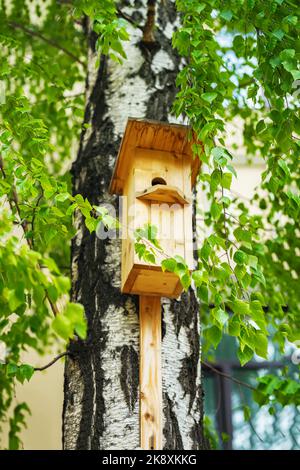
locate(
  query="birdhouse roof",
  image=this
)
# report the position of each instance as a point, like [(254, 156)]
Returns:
[(154, 135)]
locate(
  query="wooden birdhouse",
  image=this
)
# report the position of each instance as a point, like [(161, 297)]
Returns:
[(155, 173)]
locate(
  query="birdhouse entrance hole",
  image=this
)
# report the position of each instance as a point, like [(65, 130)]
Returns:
[(158, 180)]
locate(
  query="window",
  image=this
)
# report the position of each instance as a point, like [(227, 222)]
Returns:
[(225, 401)]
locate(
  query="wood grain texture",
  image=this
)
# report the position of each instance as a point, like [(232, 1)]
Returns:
[(150, 373)]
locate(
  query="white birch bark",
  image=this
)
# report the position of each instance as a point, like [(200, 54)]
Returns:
[(101, 408)]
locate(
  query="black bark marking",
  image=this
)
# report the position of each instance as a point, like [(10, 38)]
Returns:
[(87, 403), (184, 310), (189, 318), (171, 431), (129, 375), (99, 426), (200, 442), (197, 437)]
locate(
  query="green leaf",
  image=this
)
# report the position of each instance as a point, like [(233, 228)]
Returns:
[(205, 251), (240, 257), (278, 33), (14, 300), (62, 197), (169, 265), (295, 74), (203, 293), (63, 327), (149, 257), (260, 126), (284, 166), (185, 281), (220, 315), (209, 97), (261, 345), (225, 437), (247, 412), (287, 54), (220, 155), (241, 307), (140, 249), (214, 335), (226, 180), (216, 210), (215, 180), (226, 15), (11, 369), (25, 372), (234, 326), (207, 129), (91, 224), (197, 277), (81, 329), (245, 355)]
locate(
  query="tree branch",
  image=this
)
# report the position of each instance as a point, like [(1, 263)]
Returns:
[(150, 22), (46, 40), (52, 362), (227, 376), (128, 18)]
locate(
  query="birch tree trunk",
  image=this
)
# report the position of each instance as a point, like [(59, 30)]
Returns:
[(101, 405)]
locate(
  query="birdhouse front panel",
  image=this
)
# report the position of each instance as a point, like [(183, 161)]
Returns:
[(154, 175)]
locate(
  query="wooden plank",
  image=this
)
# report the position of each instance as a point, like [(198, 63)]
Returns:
[(150, 373), (154, 282)]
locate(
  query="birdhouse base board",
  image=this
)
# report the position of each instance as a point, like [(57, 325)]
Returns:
[(146, 280)]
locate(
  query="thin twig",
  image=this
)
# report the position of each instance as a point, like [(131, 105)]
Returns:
[(227, 376), (243, 398), (128, 18), (34, 214), (46, 40), (52, 362)]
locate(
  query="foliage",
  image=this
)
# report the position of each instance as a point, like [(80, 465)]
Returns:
[(210, 433), (16, 423), (272, 390), (242, 61), (42, 73), (110, 29)]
